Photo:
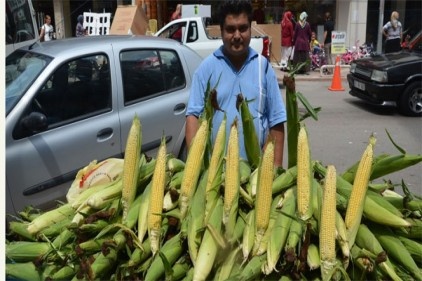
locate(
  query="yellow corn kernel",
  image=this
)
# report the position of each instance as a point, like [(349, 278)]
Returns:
[(232, 181), (157, 198), (304, 175), (327, 232), (357, 196), (264, 192), (131, 165), (193, 167), (215, 167)]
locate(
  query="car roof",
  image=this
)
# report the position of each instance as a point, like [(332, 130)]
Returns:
[(57, 47)]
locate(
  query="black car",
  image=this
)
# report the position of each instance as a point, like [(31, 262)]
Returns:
[(393, 79)]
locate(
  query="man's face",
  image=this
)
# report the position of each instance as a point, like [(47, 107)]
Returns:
[(236, 34)]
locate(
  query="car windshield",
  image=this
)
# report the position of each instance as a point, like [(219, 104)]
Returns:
[(22, 68)]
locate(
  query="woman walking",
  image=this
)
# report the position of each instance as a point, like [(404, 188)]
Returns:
[(287, 32), (47, 30), (301, 39)]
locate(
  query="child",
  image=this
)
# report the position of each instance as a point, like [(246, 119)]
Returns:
[(314, 44)]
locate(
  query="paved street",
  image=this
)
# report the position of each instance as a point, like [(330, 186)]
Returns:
[(345, 124)]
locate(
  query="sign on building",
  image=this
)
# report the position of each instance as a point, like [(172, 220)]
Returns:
[(338, 42), (196, 11), (97, 23)]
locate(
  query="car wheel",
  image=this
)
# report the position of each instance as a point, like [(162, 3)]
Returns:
[(410, 103)]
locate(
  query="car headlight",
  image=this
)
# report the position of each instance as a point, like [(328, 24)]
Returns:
[(379, 76), (352, 67)]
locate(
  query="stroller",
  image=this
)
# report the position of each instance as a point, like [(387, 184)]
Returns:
[(318, 59)]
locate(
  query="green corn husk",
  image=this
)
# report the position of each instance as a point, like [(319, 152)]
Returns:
[(50, 218), (24, 251), (21, 229), (25, 271)]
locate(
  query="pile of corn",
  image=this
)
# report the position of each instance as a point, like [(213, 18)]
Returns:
[(219, 217)]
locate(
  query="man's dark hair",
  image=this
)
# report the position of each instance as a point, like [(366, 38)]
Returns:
[(235, 7)]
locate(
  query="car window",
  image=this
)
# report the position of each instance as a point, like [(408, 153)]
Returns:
[(76, 90), (192, 32), (148, 73), (22, 68)]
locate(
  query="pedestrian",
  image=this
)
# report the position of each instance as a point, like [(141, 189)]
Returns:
[(314, 44), (242, 70), (287, 32), (177, 14), (47, 30), (328, 29), (392, 30), (301, 39), (80, 30), (259, 14)]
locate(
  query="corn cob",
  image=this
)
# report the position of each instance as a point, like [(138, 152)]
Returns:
[(264, 195), (376, 212), (132, 215), (414, 248), (197, 218), (216, 167), (143, 213), (131, 165), (252, 147), (396, 250), (146, 170), (175, 165), (285, 180), (252, 270), (208, 249), (51, 217), (245, 171), (100, 199), (312, 258), (23, 251), (327, 232), (366, 239), (393, 163), (357, 196), (171, 250), (193, 167), (280, 231), (21, 229), (65, 273), (232, 182), (156, 198), (103, 264), (22, 271), (304, 176), (248, 235), (261, 247), (341, 237), (180, 269)]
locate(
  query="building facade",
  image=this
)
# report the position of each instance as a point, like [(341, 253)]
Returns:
[(360, 19)]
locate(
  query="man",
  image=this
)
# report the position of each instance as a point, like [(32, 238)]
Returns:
[(328, 28), (241, 68)]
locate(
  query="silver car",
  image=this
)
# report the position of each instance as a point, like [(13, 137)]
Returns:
[(72, 101)]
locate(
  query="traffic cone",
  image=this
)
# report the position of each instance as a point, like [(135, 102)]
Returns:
[(336, 82)]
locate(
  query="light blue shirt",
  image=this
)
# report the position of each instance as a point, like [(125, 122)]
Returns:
[(268, 109)]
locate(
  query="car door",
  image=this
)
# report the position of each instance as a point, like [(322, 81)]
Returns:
[(154, 88), (83, 125)]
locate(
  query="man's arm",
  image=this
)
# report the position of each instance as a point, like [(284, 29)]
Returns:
[(277, 133), (192, 125)]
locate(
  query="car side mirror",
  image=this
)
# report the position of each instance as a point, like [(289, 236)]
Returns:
[(35, 122)]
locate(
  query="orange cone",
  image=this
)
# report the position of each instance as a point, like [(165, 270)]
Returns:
[(336, 82)]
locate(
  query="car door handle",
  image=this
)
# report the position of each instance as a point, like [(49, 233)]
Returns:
[(179, 107), (104, 134)]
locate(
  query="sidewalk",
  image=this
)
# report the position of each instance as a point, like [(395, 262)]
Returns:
[(314, 75)]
